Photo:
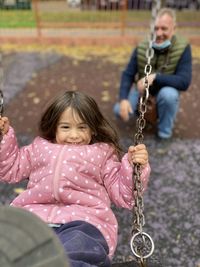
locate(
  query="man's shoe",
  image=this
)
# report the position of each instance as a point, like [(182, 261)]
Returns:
[(162, 140), (163, 144), (26, 241)]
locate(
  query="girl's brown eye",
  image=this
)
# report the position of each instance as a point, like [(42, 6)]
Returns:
[(64, 127)]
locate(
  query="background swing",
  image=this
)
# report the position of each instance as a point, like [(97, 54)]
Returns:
[(141, 243)]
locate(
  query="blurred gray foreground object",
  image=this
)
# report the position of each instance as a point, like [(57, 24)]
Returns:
[(26, 241)]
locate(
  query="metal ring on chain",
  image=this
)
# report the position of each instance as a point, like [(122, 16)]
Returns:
[(142, 235)]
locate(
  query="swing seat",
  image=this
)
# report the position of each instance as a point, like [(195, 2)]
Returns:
[(41, 246)]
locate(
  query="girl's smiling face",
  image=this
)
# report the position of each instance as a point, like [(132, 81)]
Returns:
[(71, 129)]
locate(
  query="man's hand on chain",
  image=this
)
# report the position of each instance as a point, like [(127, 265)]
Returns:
[(141, 82)]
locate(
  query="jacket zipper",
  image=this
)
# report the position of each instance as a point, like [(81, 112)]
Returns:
[(56, 178)]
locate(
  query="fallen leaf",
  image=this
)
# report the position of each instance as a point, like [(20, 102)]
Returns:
[(18, 190), (36, 100)]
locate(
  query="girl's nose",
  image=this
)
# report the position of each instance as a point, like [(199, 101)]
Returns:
[(74, 133)]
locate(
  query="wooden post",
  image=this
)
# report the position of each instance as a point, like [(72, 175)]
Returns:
[(124, 7), (37, 18)]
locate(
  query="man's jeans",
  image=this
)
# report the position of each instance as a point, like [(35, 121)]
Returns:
[(167, 101)]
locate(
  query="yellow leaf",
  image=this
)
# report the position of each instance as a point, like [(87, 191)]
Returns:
[(18, 190), (106, 84), (31, 94), (36, 100), (105, 96)]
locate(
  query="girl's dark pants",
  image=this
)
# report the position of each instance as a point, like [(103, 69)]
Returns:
[(84, 244)]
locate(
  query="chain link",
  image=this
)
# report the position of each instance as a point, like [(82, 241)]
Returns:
[(138, 215)]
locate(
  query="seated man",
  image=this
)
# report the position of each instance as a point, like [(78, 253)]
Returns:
[(171, 74)]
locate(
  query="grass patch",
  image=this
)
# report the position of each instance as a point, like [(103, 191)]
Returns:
[(17, 19), (26, 18)]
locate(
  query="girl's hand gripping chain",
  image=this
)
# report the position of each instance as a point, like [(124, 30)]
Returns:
[(1, 103), (138, 154), (4, 125)]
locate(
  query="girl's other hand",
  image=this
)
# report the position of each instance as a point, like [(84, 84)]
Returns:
[(138, 154), (4, 125)]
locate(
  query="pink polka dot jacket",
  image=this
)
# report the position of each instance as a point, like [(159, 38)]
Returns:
[(70, 182)]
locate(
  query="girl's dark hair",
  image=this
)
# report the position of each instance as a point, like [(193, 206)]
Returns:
[(89, 112)]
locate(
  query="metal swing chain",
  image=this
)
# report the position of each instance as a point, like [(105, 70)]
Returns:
[(141, 243), (1, 88)]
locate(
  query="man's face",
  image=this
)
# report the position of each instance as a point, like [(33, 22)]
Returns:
[(164, 28)]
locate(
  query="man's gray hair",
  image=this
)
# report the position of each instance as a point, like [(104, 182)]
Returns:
[(168, 11)]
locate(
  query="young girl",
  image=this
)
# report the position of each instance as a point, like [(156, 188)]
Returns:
[(75, 171)]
